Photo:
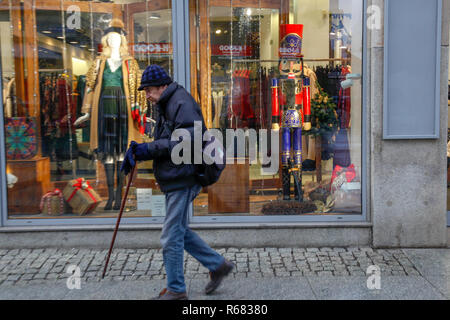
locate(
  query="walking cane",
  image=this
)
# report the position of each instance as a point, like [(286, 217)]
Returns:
[(122, 206)]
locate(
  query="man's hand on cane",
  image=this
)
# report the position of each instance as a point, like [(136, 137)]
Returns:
[(136, 152)]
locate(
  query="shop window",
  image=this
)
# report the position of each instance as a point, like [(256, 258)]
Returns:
[(64, 131), (57, 116), (239, 44)]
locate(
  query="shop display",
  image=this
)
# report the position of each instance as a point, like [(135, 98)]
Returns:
[(346, 189), (288, 208), (114, 106), (324, 126), (58, 108), (231, 193), (53, 203), (81, 197), (291, 99), (20, 138), (71, 107), (33, 181), (9, 97)]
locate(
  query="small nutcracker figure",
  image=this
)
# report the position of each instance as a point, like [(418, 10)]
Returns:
[(291, 99)]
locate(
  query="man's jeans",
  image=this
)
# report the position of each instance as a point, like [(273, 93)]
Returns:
[(177, 237)]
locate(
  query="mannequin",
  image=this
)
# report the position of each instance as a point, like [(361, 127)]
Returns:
[(114, 106)]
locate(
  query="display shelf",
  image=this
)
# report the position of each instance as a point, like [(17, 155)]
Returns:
[(33, 182)]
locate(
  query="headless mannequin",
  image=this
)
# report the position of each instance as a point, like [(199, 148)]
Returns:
[(111, 163)]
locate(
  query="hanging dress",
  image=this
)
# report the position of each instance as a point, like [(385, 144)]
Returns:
[(112, 115)]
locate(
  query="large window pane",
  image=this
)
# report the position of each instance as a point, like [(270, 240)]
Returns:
[(239, 44), (70, 70)]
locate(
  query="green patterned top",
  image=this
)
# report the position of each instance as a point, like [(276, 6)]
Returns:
[(112, 79)]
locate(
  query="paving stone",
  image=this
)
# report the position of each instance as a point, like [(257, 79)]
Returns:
[(282, 273), (324, 273), (291, 268), (254, 274), (341, 273), (398, 273), (412, 272), (357, 273), (39, 276), (13, 277)]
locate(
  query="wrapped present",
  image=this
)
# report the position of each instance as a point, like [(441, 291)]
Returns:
[(81, 197), (53, 203)]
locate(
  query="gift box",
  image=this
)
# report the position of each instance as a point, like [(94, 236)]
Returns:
[(81, 197), (53, 203)]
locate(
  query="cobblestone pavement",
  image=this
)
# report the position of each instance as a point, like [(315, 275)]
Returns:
[(29, 266)]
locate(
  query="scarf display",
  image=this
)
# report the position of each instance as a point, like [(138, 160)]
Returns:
[(57, 103)]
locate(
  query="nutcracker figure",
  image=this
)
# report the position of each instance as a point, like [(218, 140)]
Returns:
[(291, 98)]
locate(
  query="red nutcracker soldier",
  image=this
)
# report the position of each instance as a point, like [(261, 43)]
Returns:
[(291, 99)]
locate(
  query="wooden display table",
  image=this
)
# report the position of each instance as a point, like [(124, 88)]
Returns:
[(33, 182), (231, 193)]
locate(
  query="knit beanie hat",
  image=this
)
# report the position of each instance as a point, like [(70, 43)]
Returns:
[(154, 76)]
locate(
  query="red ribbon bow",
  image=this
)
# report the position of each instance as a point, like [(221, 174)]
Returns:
[(82, 184)]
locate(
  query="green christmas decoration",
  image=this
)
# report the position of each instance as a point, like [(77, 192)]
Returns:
[(324, 119)]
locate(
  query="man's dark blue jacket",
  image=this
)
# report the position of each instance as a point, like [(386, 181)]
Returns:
[(177, 109)]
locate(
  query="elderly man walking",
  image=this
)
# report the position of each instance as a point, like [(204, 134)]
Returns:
[(177, 109)]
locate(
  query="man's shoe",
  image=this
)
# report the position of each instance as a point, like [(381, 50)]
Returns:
[(218, 275), (169, 295)]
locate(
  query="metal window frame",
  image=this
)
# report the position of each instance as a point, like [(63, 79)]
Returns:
[(181, 52)]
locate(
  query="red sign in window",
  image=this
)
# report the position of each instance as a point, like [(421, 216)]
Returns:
[(152, 48), (231, 50)]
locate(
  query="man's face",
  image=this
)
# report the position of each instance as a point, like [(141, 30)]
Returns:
[(154, 93)]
